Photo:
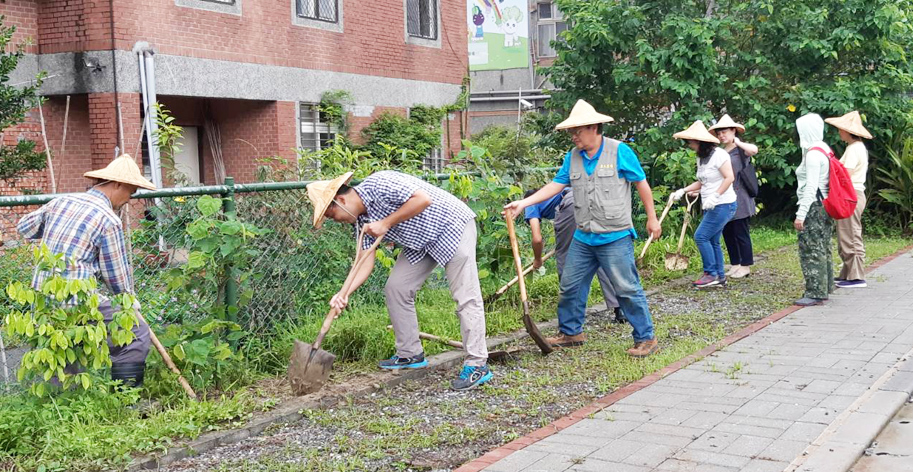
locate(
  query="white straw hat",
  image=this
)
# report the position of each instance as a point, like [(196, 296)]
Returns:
[(322, 192), (727, 122), (851, 123), (698, 132), (583, 114), (124, 170)]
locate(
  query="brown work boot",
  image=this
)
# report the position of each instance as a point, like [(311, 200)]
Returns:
[(644, 348), (563, 340)]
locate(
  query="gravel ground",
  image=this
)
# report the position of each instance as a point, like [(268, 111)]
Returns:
[(422, 425)]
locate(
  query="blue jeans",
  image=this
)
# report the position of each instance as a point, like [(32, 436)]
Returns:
[(617, 260), (707, 238)]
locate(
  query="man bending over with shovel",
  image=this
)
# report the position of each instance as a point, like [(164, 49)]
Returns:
[(433, 228), (86, 229), (600, 171)]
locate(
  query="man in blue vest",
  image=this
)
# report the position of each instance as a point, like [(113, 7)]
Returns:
[(601, 172)]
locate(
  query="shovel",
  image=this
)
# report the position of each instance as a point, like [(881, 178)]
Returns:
[(677, 260), (662, 217), (309, 366), (531, 327), (491, 298), (492, 355)]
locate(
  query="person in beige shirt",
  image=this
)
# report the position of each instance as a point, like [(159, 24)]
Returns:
[(855, 158)]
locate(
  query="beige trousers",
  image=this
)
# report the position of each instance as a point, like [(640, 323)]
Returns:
[(849, 242), (463, 277)]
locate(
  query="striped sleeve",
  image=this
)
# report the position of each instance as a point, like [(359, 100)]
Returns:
[(31, 226), (113, 262)]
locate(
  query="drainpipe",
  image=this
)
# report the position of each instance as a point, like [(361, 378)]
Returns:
[(147, 89)]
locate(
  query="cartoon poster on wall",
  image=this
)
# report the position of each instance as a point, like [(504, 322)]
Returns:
[(498, 34)]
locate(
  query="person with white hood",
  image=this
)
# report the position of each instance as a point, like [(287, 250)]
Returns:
[(814, 225)]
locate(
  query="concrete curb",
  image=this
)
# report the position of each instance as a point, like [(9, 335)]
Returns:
[(499, 453)]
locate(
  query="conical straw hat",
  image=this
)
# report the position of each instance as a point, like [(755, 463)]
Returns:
[(727, 122), (697, 131), (583, 114), (322, 193), (124, 170), (851, 123)]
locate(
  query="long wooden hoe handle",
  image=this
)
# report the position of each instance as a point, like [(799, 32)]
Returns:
[(661, 218), (360, 257), (515, 248), (167, 359)]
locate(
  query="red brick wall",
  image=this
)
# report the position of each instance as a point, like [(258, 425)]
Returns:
[(372, 43), (23, 14), (76, 158), (103, 126)]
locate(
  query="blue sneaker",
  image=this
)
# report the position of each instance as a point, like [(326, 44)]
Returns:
[(396, 362), (471, 377)]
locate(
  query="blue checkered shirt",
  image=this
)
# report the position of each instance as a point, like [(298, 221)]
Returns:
[(85, 228), (435, 232)]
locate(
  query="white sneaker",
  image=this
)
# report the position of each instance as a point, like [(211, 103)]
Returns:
[(733, 269), (743, 271)]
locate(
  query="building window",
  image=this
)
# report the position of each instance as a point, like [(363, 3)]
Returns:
[(421, 18), (231, 7), (316, 132), (550, 25), (322, 10)]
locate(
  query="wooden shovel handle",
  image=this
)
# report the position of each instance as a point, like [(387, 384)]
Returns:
[(687, 219), (527, 270), (515, 248), (661, 218), (360, 257), (167, 359)]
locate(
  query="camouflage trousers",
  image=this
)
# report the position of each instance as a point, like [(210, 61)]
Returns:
[(815, 252)]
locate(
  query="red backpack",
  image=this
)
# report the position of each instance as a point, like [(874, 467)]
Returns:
[(841, 197)]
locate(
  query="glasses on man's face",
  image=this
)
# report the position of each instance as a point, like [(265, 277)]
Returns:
[(575, 131)]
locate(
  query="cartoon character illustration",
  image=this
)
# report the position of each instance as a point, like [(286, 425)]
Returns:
[(477, 19), (511, 17)]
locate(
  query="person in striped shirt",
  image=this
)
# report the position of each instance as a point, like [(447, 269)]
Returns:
[(86, 229)]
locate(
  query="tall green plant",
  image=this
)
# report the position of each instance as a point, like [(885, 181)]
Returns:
[(61, 323), (896, 178)]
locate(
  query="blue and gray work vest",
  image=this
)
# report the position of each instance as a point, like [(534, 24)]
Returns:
[(602, 200)]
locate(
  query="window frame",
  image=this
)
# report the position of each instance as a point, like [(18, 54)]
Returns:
[(308, 22), (228, 7), (319, 127), (421, 40), (556, 18)]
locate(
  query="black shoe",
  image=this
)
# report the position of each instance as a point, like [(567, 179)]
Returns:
[(620, 317), (130, 374), (396, 362)]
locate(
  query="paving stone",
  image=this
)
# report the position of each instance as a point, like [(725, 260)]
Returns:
[(671, 430), (803, 432), (673, 416), (838, 402), (617, 450), (710, 407), (766, 422), (860, 428), (884, 402), (832, 457), (709, 457), (899, 382), (756, 408), (748, 446), (554, 447), (705, 420), (651, 455), (676, 465), (595, 465), (714, 440), (854, 389), (757, 465), (822, 386), (564, 438), (820, 415), (784, 450), (517, 461), (601, 428), (741, 428), (788, 411), (552, 463), (653, 438)]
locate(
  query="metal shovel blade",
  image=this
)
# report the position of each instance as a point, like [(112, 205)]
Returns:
[(676, 261), (533, 331), (309, 368)]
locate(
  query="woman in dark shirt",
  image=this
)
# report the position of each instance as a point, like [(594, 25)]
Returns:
[(736, 232)]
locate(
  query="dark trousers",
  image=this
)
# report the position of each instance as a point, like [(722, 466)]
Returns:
[(738, 242)]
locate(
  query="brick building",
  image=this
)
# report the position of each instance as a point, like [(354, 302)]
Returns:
[(241, 76)]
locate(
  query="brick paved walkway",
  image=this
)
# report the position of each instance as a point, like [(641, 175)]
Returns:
[(819, 375)]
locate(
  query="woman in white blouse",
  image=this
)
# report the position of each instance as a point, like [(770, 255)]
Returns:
[(718, 199), (849, 230)]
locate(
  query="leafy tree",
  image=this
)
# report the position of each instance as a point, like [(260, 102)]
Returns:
[(657, 65), (15, 102)]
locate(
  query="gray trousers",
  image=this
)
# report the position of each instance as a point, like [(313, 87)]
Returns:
[(136, 351), (565, 225), (463, 277)]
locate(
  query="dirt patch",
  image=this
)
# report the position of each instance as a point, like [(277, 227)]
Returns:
[(422, 425)]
